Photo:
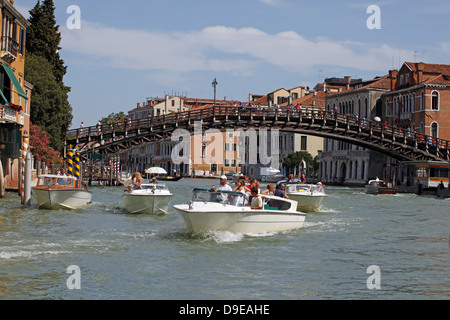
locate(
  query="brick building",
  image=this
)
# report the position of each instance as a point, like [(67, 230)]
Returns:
[(419, 99)]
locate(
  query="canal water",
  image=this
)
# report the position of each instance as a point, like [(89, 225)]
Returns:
[(359, 246)]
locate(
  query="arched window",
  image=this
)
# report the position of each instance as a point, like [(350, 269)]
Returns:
[(422, 100), (366, 108), (435, 100), (434, 130), (414, 102)]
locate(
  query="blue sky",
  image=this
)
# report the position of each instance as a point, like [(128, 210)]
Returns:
[(126, 51)]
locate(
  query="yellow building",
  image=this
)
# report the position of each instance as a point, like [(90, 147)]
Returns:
[(15, 94)]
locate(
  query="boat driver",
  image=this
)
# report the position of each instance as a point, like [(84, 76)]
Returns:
[(222, 186)]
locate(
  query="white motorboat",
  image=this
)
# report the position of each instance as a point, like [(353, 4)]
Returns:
[(152, 198), (271, 175), (309, 197), (223, 210), (61, 192), (380, 187)]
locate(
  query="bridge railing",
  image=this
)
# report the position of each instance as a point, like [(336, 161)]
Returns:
[(308, 113)]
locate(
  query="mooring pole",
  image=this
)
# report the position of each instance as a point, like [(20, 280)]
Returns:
[(27, 182)]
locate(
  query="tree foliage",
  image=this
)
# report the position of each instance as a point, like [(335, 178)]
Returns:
[(40, 146), (113, 117), (50, 108), (294, 160), (44, 68)]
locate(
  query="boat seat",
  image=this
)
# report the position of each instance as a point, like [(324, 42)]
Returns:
[(268, 207)]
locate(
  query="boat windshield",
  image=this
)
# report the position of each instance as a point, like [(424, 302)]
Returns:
[(62, 181), (154, 186), (239, 199), (305, 188), (229, 197)]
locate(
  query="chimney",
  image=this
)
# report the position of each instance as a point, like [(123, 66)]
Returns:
[(138, 105), (420, 67), (393, 76), (347, 80)]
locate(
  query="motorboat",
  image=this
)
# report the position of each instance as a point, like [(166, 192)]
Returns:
[(225, 211), (380, 187), (55, 192), (151, 198), (309, 197), (271, 175)]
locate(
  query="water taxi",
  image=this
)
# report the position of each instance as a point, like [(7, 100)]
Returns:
[(380, 187), (55, 192)]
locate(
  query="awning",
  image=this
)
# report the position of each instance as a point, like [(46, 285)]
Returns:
[(15, 82), (3, 96)]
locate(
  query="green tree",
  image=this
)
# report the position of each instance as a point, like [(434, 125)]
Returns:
[(43, 37), (113, 117), (44, 68), (50, 108), (294, 160)]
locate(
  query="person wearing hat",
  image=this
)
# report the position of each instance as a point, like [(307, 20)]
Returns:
[(222, 186), (319, 186)]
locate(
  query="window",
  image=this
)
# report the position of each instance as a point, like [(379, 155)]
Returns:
[(303, 143), (22, 41), (422, 100), (434, 130), (227, 146), (435, 100)]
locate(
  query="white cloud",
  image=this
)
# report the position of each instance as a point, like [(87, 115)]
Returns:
[(220, 48)]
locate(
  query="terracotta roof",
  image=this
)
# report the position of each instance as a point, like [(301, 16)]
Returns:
[(317, 100), (431, 68), (382, 83)]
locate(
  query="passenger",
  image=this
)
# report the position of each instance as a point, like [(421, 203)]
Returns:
[(239, 200), (279, 192), (154, 180), (137, 181), (257, 202), (253, 183), (270, 190)]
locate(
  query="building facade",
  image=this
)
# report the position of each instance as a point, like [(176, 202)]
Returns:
[(344, 163), (15, 94)]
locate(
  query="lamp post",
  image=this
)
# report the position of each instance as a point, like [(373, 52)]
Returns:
[(214, 84)]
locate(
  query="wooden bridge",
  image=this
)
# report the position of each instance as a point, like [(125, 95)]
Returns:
[(114, 139)]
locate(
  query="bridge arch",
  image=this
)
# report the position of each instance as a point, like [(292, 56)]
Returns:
[(373, 135)]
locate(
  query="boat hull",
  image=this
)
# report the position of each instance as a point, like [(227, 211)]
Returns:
[(146, 203), (62, 199), (378, 190), (246, 221), (306, 202)]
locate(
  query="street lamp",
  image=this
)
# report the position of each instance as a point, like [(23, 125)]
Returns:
[(214, 84)]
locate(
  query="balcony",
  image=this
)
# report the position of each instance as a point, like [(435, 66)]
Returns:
[(7, 114), (9, 49)]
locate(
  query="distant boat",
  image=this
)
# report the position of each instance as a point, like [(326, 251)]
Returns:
[(380, 187), (61, 192), (169, 178), (271, 175), (309, 197)]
